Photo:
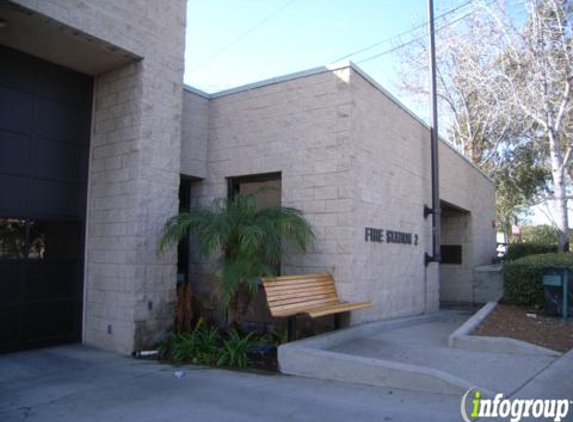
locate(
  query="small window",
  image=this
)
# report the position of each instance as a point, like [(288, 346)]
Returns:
[(451, 254), (270, 183)]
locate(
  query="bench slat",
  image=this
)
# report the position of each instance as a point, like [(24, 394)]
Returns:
[(323, 310), (311, 294), (301, 293), (295, 277), (341, 307), (328, 297), (294, 283), (303, 310), (306, 291), (307, 304), (278, 289)]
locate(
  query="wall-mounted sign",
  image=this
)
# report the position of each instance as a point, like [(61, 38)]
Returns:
[(390, 236)]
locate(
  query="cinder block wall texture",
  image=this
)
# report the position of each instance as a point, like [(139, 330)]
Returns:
[(134, 167), (391, 171), (463, 185), (350, 158), (301, 128), (195, 132)]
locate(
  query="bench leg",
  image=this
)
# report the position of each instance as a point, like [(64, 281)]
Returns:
[(292, 328), (338, 321)]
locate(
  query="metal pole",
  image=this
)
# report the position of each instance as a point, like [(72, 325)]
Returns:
[(338, 320), (291, 322), (434, 141)]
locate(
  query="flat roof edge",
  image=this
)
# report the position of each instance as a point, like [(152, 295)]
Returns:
[(330, 68), (283, 78), (197, 91), (401, 105)]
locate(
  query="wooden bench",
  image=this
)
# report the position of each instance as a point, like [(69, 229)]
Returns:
[(311, 294)]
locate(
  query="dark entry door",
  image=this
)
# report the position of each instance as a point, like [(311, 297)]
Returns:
[(45, 118)]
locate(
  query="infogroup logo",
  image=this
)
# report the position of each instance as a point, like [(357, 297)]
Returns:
[(514, 409)]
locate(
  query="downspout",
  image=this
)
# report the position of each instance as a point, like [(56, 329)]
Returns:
[(435, 210)]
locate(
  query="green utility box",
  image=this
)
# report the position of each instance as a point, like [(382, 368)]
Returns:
[(558, 289)]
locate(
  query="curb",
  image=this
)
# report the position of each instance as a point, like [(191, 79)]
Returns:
[(462, 338)]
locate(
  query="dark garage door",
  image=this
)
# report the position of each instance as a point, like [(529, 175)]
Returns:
[(45, 113)]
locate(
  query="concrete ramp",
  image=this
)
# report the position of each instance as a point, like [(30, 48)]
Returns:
[(411, 354), (350, 368)]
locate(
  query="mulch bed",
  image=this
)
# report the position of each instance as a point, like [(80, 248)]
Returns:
[(513, 322)]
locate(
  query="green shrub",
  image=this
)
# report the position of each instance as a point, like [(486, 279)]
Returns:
[(519, 250), (542, 233), (200, 346), (522, 278), (235, 350), (206, 346)]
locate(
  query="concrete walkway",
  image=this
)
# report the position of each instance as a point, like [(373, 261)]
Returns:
[(555, 382), (80, 384), (425, 344), (413, 354)]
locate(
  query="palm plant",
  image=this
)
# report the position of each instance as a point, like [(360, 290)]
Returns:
[(249, 241)]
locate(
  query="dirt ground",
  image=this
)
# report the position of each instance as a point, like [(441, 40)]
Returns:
[(514, 322)]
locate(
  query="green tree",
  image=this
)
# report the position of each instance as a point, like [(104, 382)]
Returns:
[(248, 241), (536, 74), (505, 90), (520, 180), (542, 234)]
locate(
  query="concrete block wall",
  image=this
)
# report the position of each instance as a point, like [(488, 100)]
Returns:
[(465, 186), (350, 158), (134, 167), (392, 180), (300, 128), (391, 184), (195, 134)]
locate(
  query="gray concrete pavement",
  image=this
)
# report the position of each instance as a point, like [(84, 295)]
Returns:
[(555, 382), (425, 344), (80, 384)]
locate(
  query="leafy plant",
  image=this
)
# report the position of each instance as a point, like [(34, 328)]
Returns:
[(200, 346), (522, 278), (542, 233), (249, 240), (519, 250), (235, 349), (206, 346)]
